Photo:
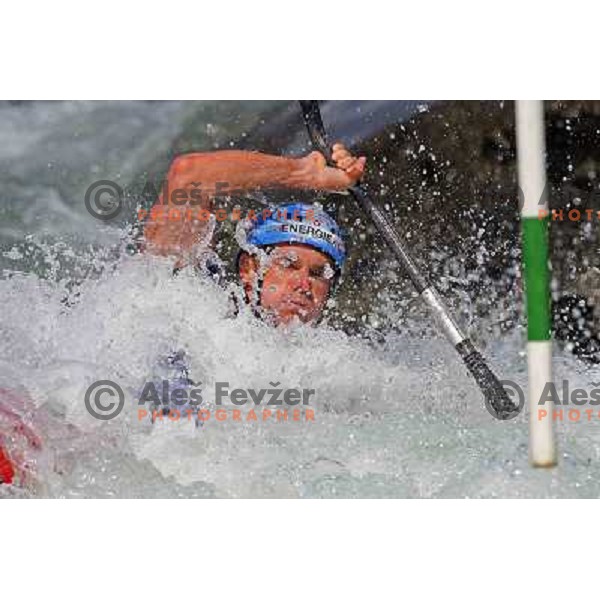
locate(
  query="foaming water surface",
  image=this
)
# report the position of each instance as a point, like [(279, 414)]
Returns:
[(398, 419)]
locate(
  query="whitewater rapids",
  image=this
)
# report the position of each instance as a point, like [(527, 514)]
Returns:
[(400, 418)]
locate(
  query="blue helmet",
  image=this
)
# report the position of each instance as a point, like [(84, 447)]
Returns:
[(298, 224)]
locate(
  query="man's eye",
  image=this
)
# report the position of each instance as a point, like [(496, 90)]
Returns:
[(318, 273)]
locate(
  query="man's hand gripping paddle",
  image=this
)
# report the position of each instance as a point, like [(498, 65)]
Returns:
[(497, 400)]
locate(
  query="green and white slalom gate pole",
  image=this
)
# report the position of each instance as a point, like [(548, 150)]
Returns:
[(531, 150)]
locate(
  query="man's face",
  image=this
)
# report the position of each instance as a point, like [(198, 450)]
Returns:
[(296, 282)]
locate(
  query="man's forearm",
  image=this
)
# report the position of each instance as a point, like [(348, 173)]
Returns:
[(198, 177), (236, 170)]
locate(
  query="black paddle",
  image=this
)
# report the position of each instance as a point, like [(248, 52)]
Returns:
[(497, 400)]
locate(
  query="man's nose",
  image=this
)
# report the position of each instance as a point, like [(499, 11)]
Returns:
[(302, 281)]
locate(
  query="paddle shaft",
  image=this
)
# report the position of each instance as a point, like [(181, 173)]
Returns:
[(497, 401)]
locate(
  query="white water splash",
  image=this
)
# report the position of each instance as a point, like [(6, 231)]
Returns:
[(398, 420)]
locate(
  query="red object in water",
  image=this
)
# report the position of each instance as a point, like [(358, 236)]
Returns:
[(15, 408), (7, 471)]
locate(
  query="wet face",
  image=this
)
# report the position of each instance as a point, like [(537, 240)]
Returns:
[(296, 282)]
